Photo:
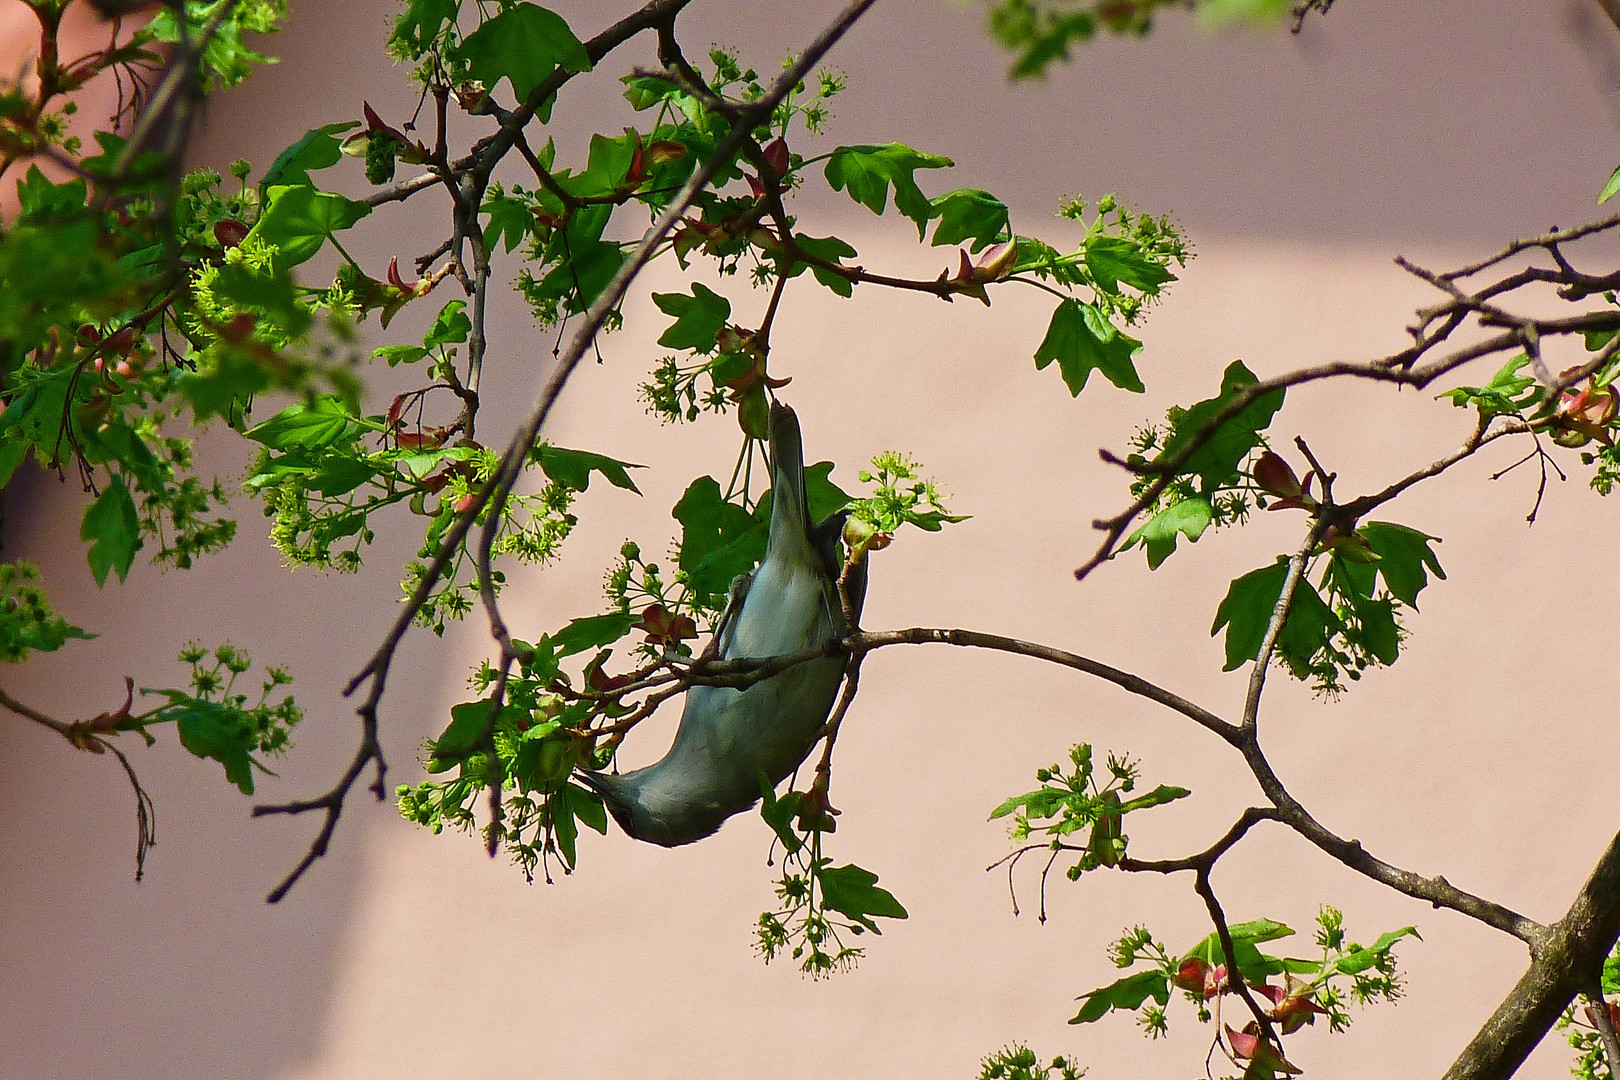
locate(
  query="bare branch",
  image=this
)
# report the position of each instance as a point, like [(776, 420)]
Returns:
[(1234, 979), (1206, 859), (1436, 890), (1566, 958), (82, 736), (1134, 684)]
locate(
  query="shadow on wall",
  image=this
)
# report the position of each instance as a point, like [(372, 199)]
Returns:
[(1388, 122)]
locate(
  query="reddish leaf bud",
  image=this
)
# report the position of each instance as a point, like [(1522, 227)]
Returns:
[(1274, 476), (230, 232), (776, 154), (1192, 975)]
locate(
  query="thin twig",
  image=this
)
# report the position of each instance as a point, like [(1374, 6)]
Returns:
[(1207, 858), (1279, 616), (1597, 1011), (1234, 979), (81, 736)]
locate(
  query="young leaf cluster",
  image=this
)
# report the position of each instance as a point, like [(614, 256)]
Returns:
[(1321, 985), (1075, 810), (820, 905), (1018, 1062), (529, 743), (1585, 416)]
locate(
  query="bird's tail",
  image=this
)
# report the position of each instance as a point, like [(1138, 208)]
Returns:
[(790, 510)]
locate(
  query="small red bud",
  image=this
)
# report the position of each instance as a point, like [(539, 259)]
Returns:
[(1192, 974), (776, 155), (238, 329), (229, 233)]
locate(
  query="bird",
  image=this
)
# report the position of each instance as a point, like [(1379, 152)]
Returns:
[(729, 736)]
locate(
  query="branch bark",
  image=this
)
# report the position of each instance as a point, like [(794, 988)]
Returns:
[(1566, 958)]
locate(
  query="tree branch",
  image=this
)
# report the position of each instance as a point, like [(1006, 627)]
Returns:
[(1279, 616), (1567, 957), (1234, 979), (1436, 325), (82, 736), (1206, 859), (1135, 684), (1436, 890)]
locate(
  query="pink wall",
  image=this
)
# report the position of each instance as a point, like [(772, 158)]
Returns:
[(1299, 166)]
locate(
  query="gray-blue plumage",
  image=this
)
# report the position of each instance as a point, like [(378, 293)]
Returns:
[(729, 736)]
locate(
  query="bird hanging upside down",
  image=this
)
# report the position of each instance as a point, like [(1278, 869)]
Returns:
[(728, 736)]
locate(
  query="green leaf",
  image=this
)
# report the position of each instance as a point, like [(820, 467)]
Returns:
[(853, 892), (468, 722), (322, 422), (824, 497), (510, 221), (399, 354), (451, 325), (563, 828), (1216, 461), (1189, 518), (607, 168), (420, 22), (1403, 554), (830, 249), (779, 815), (269, 291), (37, 196), (592, 632), (719, 539), (969, 214), (1507, 393), (115, 529), (13, 453), (523, 44), (699, 318), (1127, 993), (1380, 633), (1081, 340), (1041, 803), (867, 172), (1359, 958), (27, 621), (210, 730), (582, 273), (339, 475), (1113, 259), (1610, 188), (1252, 964), (316, 150), (299, 220), (588, 807), (1160, 795), (1247, 609), (573, 468)]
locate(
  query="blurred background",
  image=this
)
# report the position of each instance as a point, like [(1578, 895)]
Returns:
[(1299, 166)]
